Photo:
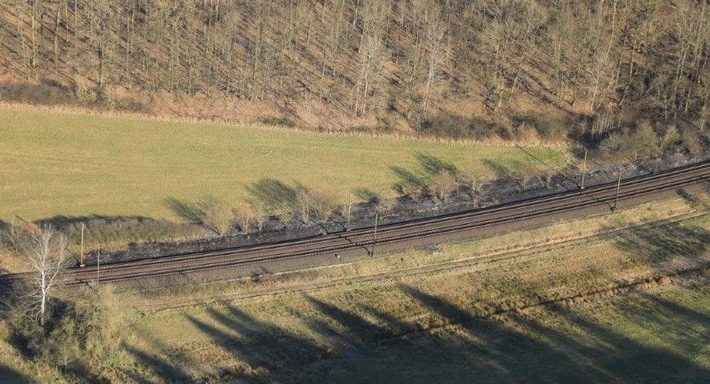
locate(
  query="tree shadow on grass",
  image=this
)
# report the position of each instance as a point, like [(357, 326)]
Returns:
[(448, 344), (160, 368), (614, 356), (680, 312), (248, 339), (433, 166), (416, 183), (600, 355), (409, 183), (11, 376), (368, 196), (4, 227), (360, 329), (273, 194), (662, 241), (498, 169)]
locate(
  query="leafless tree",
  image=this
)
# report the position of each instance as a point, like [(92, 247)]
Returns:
[(372, 53), (46, 255), (436, 47)]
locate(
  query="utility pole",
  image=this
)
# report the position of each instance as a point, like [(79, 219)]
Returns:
[(81, 255), (584, 168), (350, 203), (98, 268), (618, 186), (374, 238)]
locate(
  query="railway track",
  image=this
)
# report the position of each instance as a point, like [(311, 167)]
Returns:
[(386, 238)]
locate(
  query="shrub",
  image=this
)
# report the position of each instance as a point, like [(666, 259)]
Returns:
[(209, 212), (458, 127), (80, 339), (545, 127), (443, 185), (638, 143), (122, 229), (323, 203), (48, 93), (279, 121), (692, 141), (83, 91)]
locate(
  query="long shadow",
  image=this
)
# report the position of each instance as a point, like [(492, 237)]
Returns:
[(247, 336), (359, 329), (631, 361), (11, 376), (453, 346), (434, 166), (660, 242), (168, 373), (273, 194), (451, 312), (393, 325), (4, 227), (408, 181), (60, 221), (564, 176), (674, 319), (190, 212), (553, 355), (495, 351), (368, 196), (417, 181), (680, 311), (78, 372), (498, 169), (104, 227)]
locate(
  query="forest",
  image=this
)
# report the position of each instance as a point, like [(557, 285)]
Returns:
[(625, 76)]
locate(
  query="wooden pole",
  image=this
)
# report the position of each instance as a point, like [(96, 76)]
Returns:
[(81, 255), (350, 203), (374, 239), (584, 168), (618, 186), (98, 268)]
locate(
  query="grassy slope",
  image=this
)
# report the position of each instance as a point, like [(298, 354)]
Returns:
[(55, 163)]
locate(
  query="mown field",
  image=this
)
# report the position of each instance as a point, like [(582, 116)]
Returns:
[(467, 312), (73, 164)]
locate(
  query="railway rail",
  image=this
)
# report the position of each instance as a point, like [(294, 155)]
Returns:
[(386, 238)]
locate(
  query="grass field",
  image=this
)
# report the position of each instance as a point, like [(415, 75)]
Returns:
[(436, 326), (72, 164)]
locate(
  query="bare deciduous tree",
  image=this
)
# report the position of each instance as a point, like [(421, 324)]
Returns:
[(46, 253), (372, 53), (436, 46)]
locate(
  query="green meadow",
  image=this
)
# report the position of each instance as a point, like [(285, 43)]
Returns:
[(74, 164)]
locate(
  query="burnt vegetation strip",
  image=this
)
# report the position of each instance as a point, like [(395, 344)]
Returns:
[(391, 237)]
